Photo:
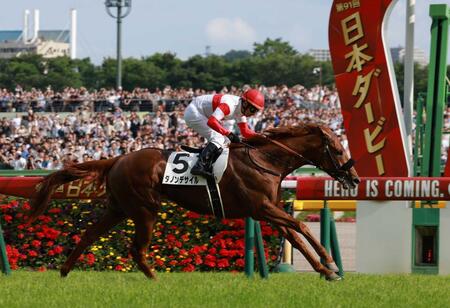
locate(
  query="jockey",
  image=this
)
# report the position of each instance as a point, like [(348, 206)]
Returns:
[(204, 114)]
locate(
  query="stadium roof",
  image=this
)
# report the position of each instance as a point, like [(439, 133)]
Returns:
[(62, 36)]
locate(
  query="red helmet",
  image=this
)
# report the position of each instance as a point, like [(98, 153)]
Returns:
[(254, 97)]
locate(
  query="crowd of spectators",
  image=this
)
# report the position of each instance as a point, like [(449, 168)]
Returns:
[(106, 123), (140, 99)]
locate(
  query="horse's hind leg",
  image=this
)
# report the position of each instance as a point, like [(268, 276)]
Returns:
[(144, 222), (93, 232)]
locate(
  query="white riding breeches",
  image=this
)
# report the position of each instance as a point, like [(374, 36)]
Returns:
[(198, 122)]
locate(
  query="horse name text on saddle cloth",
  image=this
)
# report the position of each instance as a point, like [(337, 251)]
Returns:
[(179, 165)]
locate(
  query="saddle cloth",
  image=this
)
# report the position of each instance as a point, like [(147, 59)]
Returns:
[(179, 165)]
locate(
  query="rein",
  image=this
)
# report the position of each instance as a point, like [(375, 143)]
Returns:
[(279, 144), (345, 167)]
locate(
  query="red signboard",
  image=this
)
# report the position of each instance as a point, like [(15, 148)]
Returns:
[(365, 82), (25, 187), (375, 188)]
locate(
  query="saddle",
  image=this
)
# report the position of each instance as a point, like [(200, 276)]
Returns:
[(191, 149)]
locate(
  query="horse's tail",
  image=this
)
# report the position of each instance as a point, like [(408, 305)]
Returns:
[(97, 169)]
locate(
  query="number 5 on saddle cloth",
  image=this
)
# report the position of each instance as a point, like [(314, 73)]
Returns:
[(178, 172)]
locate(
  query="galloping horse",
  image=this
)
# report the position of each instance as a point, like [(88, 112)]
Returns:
[(250, 187)]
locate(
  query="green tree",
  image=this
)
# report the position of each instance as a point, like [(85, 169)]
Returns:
[(107, 73), (172, 67), (89, 73), (61, 72), (273, 47), (140, 73), (234, 55), (27, 71)]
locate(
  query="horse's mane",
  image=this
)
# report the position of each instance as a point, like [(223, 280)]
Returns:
[(281, 132)]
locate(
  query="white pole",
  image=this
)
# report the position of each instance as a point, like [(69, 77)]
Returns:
[(73, 33), (35, 26), (26, 16), (408, 94)]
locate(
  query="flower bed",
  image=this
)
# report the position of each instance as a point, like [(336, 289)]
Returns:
[(182, 240)]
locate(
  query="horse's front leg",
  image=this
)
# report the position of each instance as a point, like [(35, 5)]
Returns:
[(288, 225), (297, 242)]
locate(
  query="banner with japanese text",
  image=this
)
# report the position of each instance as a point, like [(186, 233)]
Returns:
[(371, 109)]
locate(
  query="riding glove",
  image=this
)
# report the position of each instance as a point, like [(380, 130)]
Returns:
[(234, 138)]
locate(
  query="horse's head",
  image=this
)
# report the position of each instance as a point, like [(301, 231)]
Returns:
[(317, 145), (333, 159)]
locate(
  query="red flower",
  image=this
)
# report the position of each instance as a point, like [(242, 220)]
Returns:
[(32, 253), (44, 219), (7, 218), (58, 250), (225, 253), (170, 238), (240, 262), (222, 263), (185, 261), (42, 269), (192, 215), (210, 263), (26, 206), (36, 243), (90, 258), (198, 260), (76, 239), (50, 244), (188, 268), (118, 267)]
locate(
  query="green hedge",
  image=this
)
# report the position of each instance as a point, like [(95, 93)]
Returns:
[(182, 240)]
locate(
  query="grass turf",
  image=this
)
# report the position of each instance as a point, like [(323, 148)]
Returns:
[(112, 289)]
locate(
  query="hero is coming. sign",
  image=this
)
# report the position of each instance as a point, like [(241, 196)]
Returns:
[(369, 101)]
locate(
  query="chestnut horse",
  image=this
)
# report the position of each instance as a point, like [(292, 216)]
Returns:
[(250, 187)]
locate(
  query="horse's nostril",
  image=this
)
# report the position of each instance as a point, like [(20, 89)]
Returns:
[(356, 180)]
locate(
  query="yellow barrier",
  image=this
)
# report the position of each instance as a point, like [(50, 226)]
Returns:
[(338, 205)]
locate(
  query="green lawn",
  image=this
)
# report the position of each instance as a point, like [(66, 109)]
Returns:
[(114, 289)]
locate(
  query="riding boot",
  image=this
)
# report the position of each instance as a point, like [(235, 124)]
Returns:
[(205, 161)]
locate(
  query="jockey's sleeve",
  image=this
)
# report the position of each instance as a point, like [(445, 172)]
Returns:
[(245, 130), (219, 113), (215, 124)]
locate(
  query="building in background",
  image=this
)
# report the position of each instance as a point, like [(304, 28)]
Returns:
[(320, 55), (48, 43), (398, 55)]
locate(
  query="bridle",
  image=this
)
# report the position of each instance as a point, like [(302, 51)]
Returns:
[(338, 169)]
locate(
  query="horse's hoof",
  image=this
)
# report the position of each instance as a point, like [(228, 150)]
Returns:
[(63, 273), (333, 277), (332, 267)]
